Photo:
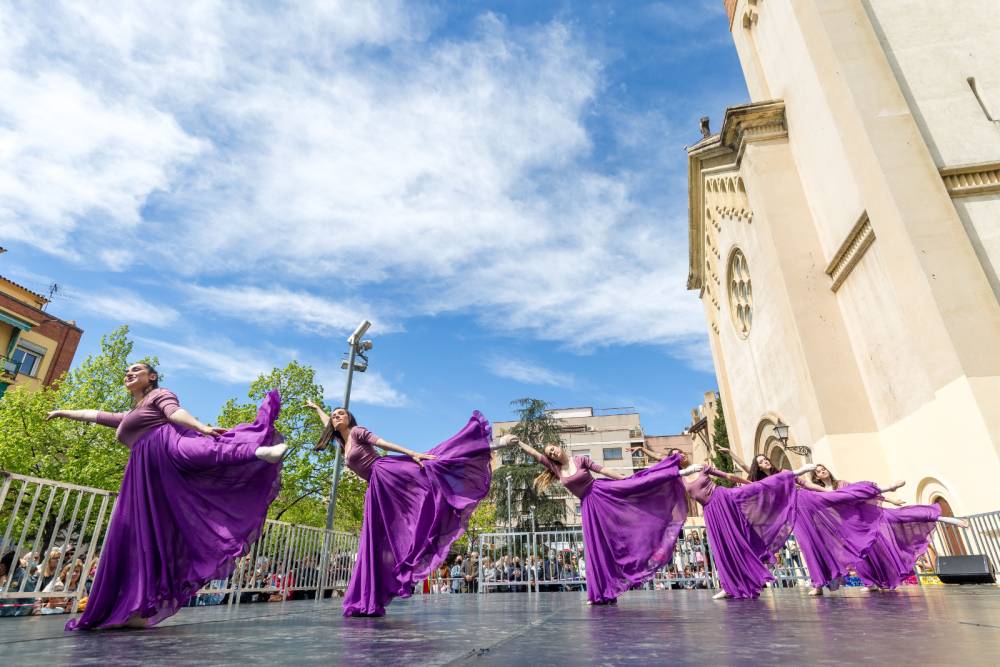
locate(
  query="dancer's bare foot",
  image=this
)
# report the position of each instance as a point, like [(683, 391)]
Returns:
[(721, 595), (873, 589), (136, 621), (815, 592), (271, 454)]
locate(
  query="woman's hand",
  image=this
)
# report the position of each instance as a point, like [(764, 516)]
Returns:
[(213, 431), (417, 457), (313, 406), (55, 414)]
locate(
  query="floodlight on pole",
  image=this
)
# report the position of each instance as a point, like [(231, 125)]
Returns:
[(355, 348)]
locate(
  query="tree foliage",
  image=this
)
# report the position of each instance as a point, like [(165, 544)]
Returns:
[(307, 475), (536, 427), (720, 459), (66, 450)]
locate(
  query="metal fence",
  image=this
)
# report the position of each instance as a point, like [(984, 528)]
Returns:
[(52, 533), (556, 561)]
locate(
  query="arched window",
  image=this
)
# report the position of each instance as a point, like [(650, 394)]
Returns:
[(740, 293)]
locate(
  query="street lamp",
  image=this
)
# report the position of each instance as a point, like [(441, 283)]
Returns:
[(355, 348), (510, 527), (781, 432)]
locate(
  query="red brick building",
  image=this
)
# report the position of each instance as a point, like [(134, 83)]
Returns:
[(36, 347)]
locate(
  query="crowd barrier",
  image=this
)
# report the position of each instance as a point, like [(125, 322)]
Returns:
[(52, 533)]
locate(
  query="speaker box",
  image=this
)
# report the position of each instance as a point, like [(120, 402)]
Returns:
[(965, 570)]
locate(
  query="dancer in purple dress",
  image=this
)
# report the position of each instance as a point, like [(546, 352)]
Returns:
[(193, 499), (836, 524), (630, 525), (902, 535), (746, 524), (416, 505)]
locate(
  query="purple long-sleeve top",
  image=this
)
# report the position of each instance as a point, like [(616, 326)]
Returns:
[(703, 485), (361, 454), (152, 411)]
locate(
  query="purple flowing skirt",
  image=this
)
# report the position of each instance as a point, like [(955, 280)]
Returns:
[(189, 506), (834, 529), (630, 527), (746, 526), (904, 534), (413, 515)]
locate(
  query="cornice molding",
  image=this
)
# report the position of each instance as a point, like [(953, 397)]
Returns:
[(972, 179), (851, 251)]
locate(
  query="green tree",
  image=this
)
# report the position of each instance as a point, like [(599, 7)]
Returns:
[(66, 450), (536, 427), (720, 459), (306, 475), (483, 520)]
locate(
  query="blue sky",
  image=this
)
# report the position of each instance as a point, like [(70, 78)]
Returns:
[(499, 186)]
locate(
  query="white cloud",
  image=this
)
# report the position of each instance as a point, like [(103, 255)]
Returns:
[(520, 370), (126, 307), (223, 361), (371, 388), (282, 307), (248, 141), (218, 360)]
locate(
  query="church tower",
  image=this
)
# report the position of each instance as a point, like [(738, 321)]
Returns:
[(845, 241)]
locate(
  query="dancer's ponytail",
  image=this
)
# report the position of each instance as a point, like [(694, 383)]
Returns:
[(543, 481)]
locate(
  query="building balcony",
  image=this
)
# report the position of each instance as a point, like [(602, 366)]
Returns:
[(8, 369)]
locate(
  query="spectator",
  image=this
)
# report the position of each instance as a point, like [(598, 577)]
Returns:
[(517, 575), (6, 568), (457, 575), (689, 582), (67, 580), (471, 573), (50, 567), (489, 574)]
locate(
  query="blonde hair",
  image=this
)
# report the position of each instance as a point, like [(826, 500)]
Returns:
[(543, 481)]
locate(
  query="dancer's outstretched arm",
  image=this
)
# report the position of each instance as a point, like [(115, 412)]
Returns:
[(393, 447), (811, 485), (613, 474), (736, 458), (324, 418), (89, 416), (653, 455), (510, 440), (182, 417)]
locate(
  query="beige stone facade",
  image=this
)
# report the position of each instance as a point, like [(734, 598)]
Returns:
[(844, 241)]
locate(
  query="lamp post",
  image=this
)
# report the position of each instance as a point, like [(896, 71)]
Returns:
[(781, 432), (510, 527), (355, 348), (534, 564)]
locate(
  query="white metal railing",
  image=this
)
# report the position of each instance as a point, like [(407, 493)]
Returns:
[(981, 537), (52, 533)]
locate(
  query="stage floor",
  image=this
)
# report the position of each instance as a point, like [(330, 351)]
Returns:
[(955, 625)]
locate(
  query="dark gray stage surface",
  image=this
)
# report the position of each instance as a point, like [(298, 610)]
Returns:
[(930, 626)]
